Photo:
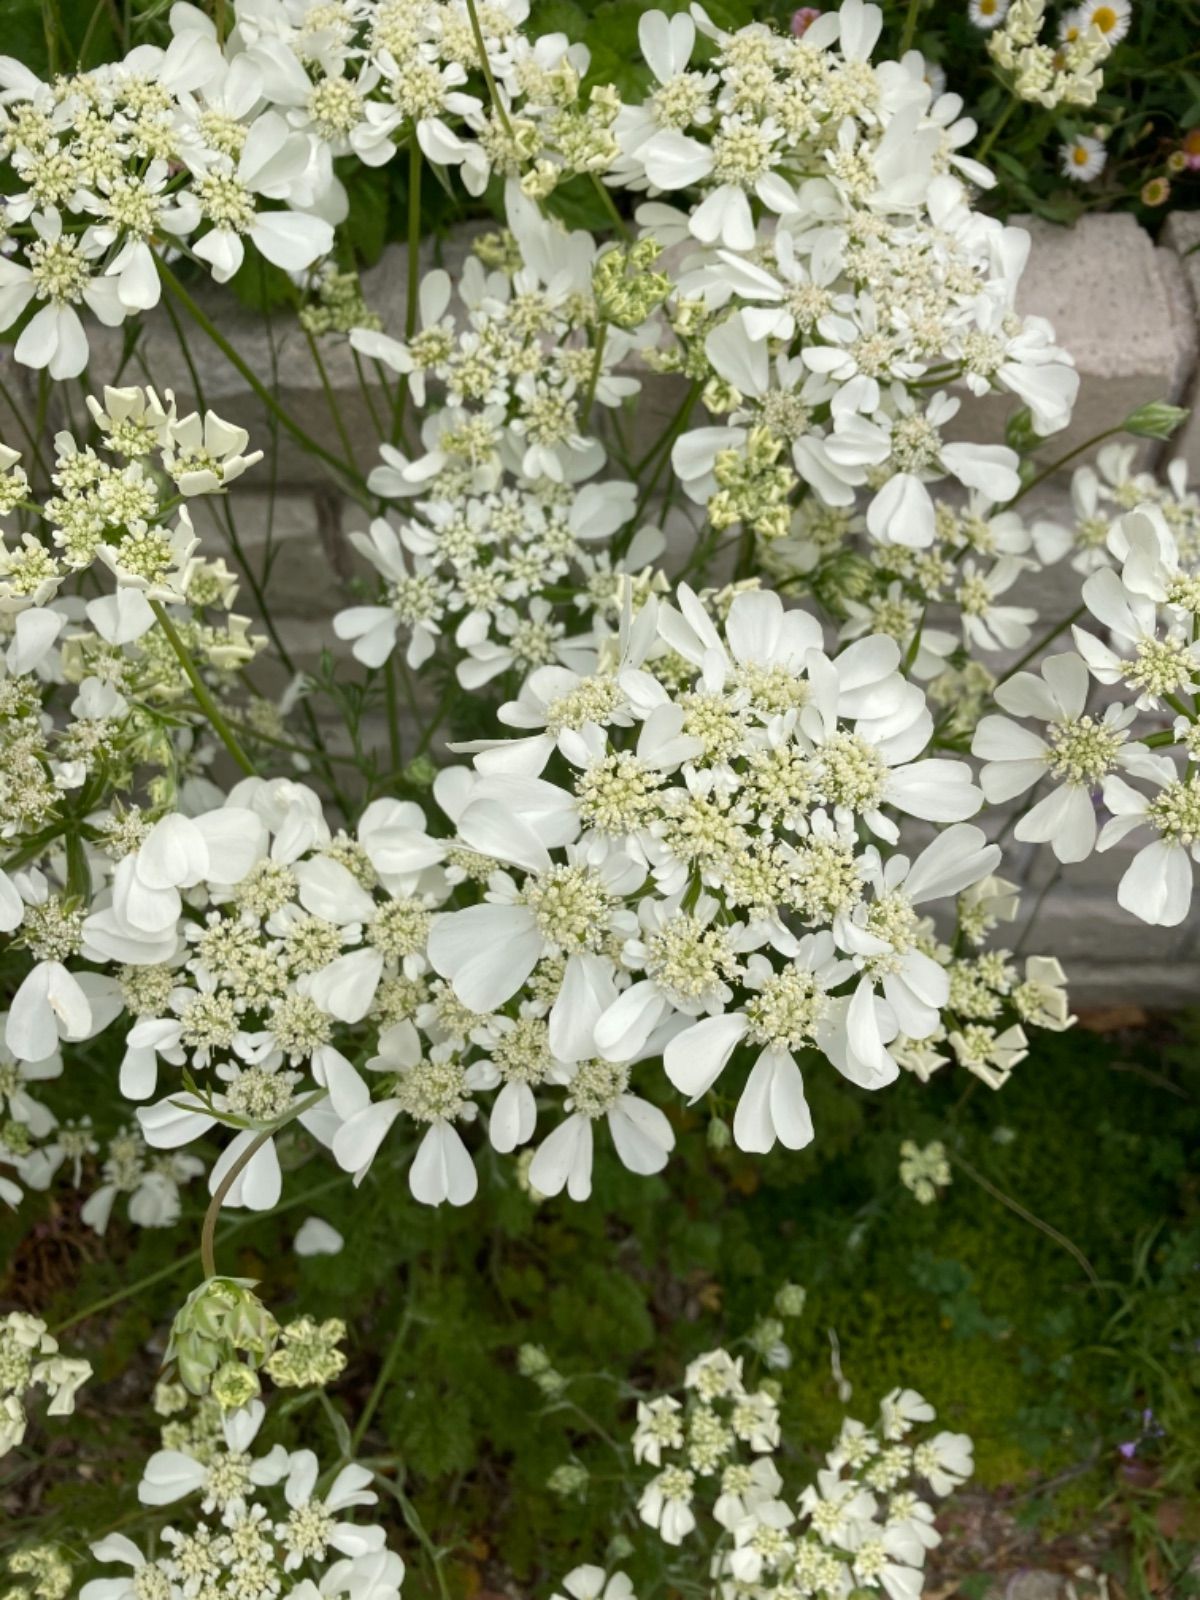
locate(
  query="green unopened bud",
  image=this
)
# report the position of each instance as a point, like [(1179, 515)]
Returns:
[(219, 1321), (620, 1548), (1018, 432), (234, 1386), (1158, 420), (789, 1301), (532, 1359), (420, 772), (570, 1481), (719, 1136)]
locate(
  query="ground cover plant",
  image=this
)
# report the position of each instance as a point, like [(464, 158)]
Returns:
[(559, 1091)]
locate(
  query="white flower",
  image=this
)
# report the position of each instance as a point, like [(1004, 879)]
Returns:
[(1078, 752), (59, 275), (641, 1134), (1082, 158), (1157, 884)]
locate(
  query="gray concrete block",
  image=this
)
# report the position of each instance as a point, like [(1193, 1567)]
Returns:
[(1181, 233), (1114, 301)]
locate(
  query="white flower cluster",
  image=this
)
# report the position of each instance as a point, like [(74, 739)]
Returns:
[(31, 1359), (861, 1525), (264, 1526), (716, 876), (1143, 594)]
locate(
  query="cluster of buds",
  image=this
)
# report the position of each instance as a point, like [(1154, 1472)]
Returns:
[(220, 1337)]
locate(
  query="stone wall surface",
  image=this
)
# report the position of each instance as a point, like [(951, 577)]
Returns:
[(1128, 310)]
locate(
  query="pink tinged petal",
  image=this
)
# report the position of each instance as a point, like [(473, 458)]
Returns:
[(564, 1160), (486, 952), (695, 1058), (442, 1168), (1157, 885), (641, 1133)]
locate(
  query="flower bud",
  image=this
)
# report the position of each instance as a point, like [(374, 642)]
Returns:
[(219, 1321), (1157, 420)]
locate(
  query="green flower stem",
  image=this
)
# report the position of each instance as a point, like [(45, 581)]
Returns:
[(1056, 466), (910, 26), (335, 411), (594, 376), (412, 286), (1036, 648), (206, 324), (486, 68), (996, 128), (208, 1260), (200, 689), (172, 1267)]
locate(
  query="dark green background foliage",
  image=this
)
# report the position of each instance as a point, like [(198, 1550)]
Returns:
[(989, 1316)]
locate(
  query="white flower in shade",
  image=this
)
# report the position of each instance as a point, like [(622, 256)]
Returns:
[(1077, 753), (226, 1479), (1082, 158), (311, 1528), (945, 1461), (316, 1237), (590, 1583), (745, 1486), (1157, 884), (596, 1089), (666, 1504), (659, 1427)]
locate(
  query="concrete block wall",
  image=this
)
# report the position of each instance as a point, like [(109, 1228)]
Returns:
[(1127, 309)]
